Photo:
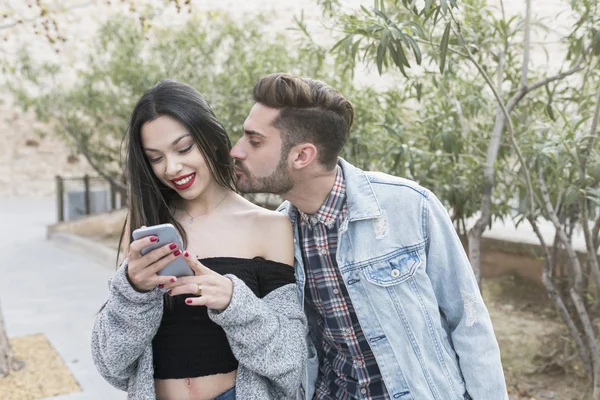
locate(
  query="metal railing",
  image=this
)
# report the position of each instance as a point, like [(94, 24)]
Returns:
[(82, 196)]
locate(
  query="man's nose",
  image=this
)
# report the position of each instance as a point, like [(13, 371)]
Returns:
[(236, 151)]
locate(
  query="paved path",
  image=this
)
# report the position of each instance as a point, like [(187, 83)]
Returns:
[(52, 288)]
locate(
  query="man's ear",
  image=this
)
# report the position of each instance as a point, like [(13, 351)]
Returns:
[(303, 155)]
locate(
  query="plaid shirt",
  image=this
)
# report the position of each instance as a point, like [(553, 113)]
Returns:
[(348, 369)]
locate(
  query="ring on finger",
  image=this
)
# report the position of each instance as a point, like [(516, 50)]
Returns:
[(199, 292)]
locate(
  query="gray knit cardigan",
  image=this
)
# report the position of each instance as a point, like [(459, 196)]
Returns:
[(267, 337)]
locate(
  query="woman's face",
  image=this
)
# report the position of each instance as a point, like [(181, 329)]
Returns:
[(175, 158)]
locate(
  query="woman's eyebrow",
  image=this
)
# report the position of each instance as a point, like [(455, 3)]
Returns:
[(179, 138), (172, 144)]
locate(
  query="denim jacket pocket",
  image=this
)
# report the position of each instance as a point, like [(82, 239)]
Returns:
[(394, 269)]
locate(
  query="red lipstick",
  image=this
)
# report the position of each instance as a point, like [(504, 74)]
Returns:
[(183, 182)]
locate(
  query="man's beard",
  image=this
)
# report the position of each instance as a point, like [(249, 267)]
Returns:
[(279, 182)]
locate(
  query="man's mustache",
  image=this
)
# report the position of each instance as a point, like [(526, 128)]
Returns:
[(238, 165)]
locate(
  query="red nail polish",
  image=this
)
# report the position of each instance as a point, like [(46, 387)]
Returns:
[(189, 301), (186, 254), (154, 239), (177, 253), (169, 292), (161, 286), (172, 280), (172, 246)]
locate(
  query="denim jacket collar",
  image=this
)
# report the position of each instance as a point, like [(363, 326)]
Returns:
[(361, 199)]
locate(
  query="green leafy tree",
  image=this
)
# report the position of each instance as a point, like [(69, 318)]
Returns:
[(220, 58), (209, 52), (522, 118), (452, 119)]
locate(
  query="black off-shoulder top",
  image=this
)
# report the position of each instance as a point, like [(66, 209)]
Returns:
[(188, 344)]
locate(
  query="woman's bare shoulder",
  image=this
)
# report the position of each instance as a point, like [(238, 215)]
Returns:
[(258, 213), (272, 230)]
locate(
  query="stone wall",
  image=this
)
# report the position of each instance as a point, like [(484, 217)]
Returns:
[(95, 226), (29, 162)]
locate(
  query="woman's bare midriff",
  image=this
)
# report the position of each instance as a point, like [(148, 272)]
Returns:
[(200, 388)]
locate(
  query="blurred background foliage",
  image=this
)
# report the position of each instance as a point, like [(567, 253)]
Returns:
[(455, 71)]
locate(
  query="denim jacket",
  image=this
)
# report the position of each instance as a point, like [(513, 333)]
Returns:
[(414, 293)]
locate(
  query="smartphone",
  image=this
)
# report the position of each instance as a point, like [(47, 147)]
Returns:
[(166, 233)]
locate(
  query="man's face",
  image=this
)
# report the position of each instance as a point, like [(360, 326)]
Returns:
[(259, 165)]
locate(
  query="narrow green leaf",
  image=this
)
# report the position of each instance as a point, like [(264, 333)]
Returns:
[(596, 42), (444, 5), (385, 39), (396, 34), (550, 111), (437, 15), (444, 47), (405, 40), (397, 59), (366, 52), (429, 14), (381, 51), (382, 15), (347, 44), (394, 54), (402, 55), (355, 48), (427, 7), (380, 54), (578, 124), (415, 28), (338, 44), (390, 130), (415, 47), (366, 11)]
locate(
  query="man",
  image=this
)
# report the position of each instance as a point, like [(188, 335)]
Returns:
[(392, 303)]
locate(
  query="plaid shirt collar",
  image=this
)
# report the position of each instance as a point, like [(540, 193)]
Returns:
[(333, 205)]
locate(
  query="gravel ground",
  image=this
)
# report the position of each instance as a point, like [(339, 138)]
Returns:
[(45, 373)]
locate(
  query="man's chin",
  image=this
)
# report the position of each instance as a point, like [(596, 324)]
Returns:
[(245, 188)]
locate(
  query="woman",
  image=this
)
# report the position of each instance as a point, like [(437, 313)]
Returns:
[(234, 329)]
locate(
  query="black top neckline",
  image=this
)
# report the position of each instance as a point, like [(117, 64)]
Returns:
[(188, 343), (242, 260)]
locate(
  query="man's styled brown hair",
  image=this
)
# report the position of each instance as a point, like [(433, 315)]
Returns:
[(309, 111)]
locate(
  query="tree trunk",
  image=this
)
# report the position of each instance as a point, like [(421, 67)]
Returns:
[(8, 362), (476, 232), (474, 247), (548, 277)]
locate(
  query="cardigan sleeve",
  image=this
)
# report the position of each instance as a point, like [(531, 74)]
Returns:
[(124, 329), (268, 335)]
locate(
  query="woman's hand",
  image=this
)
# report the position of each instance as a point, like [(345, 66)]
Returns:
[(142, 270), (215, 290)]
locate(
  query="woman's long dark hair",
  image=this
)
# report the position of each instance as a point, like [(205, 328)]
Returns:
[(149, 200)]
